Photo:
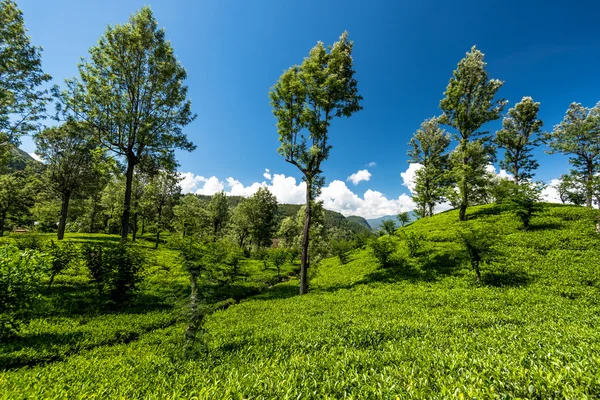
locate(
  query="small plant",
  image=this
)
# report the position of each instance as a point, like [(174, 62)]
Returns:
[(525, 204), (115, 269), (414, 243), (21, 272), (383, 250), (340, 249), (479, 247), (279, 257), (388, 226), (61, 255)]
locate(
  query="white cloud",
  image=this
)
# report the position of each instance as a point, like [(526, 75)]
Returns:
[(267, 174), (502, 174), (371, 164), (409, 176), (336, 196), (550, 194), (362, 175), (36, 157)]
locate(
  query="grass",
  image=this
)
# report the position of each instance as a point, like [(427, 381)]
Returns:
[(422, 329)]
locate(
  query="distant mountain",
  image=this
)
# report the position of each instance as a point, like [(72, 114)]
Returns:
[(19, 160), (332, 219)]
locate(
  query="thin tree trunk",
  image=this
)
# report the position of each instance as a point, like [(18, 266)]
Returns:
[(127, 201), (590, 183), (304, 261), (94, 212), (158, 226), (462, 213), (134, 226), (64, 211), (516, 173)]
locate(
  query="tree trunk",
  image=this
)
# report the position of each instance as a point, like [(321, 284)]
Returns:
[(143, 226), (64, 210), (2, 219), (127, 201), (94, 212), (430, 212), (590, 183), (158, 226), (462, 213), (304, 262), (516, 173), (134, 227)]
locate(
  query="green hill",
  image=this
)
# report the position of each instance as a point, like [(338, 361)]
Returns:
[(19, 160), (332, 219), (421, 329)]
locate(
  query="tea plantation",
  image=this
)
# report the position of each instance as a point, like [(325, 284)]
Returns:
[(420, 328)]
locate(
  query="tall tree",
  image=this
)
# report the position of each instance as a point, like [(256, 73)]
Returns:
[(468, 105), (22, 101), (71, 162), (578, 135), (518, 137), (131, 92), (429, 146), (305, 100), (218, 211), (255, 218)]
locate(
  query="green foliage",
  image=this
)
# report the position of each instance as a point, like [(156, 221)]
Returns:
[(525, 203), (577, 136), (478, 245), (340, 249), (218, 213), (518, 137), (429, 146), (61, 256), (468, 105), (115, 269), (279, 257), (403, 218), (21, 272), (388, 226), (414, 243), (383, 250), (133, 65), (22, 102)]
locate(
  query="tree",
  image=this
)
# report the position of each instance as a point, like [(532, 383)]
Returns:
[(255, 218), (388, 226), (578, 135), (131, 93), (22, 102), (190, 215), (70, 159), (571, 189), (468, 105), (10, 190), (525, 203), (518, 137), (218, 212), (429, 146), (403, 218), (161, 194), (305, 100), (479, 247)]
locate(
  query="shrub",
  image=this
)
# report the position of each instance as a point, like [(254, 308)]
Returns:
[(279, 257), (29, 242), (525, 204), (340, 249), (388, 226), (383, 250), (414, 243), (21, 272), (479, 247), (115, 269), (61, 256)]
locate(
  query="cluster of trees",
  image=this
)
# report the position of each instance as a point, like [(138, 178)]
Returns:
[(459, 176)]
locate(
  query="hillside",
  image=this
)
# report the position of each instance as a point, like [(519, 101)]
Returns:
[(420, 329), (332, 218), (20, 159)]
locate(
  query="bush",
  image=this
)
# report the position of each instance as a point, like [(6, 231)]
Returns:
[(29, 242), (340, 249), (279, 257), (383, 250), (21, 272), (479, 247), (61, 256), (525, 204), (115, 269), (414, 243)]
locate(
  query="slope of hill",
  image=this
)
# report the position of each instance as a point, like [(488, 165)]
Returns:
[(19, 160), (421, 329), (377, 223), (332, 218)]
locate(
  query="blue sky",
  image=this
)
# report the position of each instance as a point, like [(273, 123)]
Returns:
[(404, 54)]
